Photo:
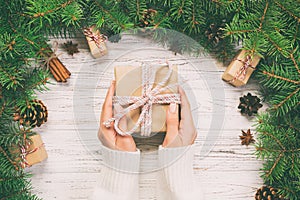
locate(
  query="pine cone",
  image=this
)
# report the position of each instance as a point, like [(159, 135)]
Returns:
[(214, 33), (249, 104), (267, 193), (35, 114), (147, 18)]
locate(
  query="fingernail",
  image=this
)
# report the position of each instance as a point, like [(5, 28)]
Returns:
[(112, 82), (173, 108)]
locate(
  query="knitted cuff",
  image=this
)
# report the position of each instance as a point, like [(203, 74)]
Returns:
[(128, 162), (119, 175), (177, 164)]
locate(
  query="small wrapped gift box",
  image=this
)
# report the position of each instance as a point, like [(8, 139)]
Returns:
[(135, 84), (96, 42), (32, 153), (240, 69)]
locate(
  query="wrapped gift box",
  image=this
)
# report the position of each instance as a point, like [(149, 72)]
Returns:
[(129, 83), (233, 73), (34, 153), (96, 42)]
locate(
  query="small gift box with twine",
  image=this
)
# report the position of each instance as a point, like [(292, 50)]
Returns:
[(96, 41), (31, 153), (144, 93), (240, 69)]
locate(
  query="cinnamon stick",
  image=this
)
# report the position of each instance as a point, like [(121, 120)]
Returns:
[(66, 69), (57, 78), (57, 71), (61, 68)]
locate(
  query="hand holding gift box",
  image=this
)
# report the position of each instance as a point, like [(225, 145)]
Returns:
[(144, 93)]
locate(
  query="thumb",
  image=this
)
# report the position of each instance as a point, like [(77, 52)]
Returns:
[(172, 122)]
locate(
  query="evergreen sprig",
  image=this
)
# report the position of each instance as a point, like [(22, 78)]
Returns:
[(269, 28), (278, 145), (25, 26)]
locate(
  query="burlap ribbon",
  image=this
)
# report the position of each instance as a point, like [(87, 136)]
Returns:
[(150, 95), (241, 74)]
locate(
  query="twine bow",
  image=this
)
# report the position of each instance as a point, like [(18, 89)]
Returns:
[(241, 74), (52, 55), (24, 152), (95, 37), (150, 95)]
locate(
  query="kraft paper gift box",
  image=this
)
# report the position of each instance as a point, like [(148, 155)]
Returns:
[(129, 83), (230, 74), (34, 153), (97, 50)]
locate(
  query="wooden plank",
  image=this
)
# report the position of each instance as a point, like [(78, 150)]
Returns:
[(229, 171)]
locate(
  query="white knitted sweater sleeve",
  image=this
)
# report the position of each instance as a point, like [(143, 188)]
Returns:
[(175, 177), (119, 176)]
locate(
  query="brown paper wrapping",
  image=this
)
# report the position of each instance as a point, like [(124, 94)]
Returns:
[(95, 50), (129, 82), (235, 65), (35, 157), (40, 154)]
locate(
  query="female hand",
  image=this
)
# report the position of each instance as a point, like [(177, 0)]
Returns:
[(108, 136), (181, 133)]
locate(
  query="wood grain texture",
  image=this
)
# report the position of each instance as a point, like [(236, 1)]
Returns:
[(226, 170)]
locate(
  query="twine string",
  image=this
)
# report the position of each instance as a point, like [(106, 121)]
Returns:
[(24, 151), (95, 37), (52, 55), (241, 73)]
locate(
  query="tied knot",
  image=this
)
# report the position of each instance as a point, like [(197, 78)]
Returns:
[(52, 55), (95, 36), (241, 73), (150, 95), (148, 99)]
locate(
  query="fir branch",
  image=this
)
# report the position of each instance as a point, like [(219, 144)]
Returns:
[(276, 139), (2, 109), (294, 61), (22, 35), (274, 165), (108, 13), (180, 9), (8, 158), (275, 150), (287, 98), (263, 16), (25, 190), (138, 11), (276, 45), (286, 10), (280, 77), (163, 19), (42, 14), (12, 78)]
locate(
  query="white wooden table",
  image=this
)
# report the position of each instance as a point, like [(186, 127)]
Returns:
[(226, 169)]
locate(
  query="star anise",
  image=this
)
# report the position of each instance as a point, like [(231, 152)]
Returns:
[(71, 48), (247, 137)]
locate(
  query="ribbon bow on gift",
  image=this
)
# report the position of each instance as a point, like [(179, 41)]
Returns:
[(96, 37), (150, 95), (25, 152), (241, 74)]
